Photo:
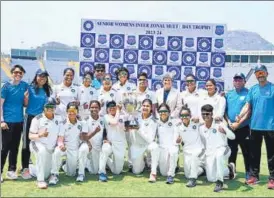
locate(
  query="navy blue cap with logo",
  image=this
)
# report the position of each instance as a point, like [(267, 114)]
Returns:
[(260, 68), (239, 75)]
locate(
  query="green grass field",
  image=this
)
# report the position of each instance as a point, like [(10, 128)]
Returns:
[(127, 184)]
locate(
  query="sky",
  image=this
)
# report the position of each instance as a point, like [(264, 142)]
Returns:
[(30, 24)]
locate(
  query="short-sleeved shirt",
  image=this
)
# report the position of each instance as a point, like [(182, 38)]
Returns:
[(147, 94), (127, 87), (96, 83), (106, 96), (234, 104), (97, 140), (71, 133), (36, 101), (166, 132), (66, 95), (86, 94), (262, 104), (147, 130), (40, 122), (14, 101)]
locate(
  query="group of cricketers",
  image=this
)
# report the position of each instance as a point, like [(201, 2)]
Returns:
[(86, 124)]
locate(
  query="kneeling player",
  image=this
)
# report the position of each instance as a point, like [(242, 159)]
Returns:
[(68, 145), (169, 149), (114, 143), (43, 134), (193, 148), (214, 135)]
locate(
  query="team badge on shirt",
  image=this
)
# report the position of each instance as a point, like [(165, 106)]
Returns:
[(72, 90), (111, 95), (120, 120), (214, 130), (194, 127), (169, 124), (56, 122), (101, 122), (91, 92), (147, 96), (128, 88), (79, 127), (146, 124)]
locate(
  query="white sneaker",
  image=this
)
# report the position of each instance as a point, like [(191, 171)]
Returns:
[(25, 174), (12, 175), (2, 179), (80, 178), (53, 180)]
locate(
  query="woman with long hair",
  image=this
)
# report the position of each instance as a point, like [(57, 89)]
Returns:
[(38, 93)]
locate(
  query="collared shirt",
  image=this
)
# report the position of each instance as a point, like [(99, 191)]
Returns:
[(106, 96), (41, 122), (127, 87), (14, 101), (97, 140), (190, 136), (86, 94), (115, 132), (36, 101), (166, 133), (147, 130), (234, 104), (71, 133), (147, 94), (262, 104), (218, 103), (66, 95), (192, 100), (213, 138), (96, 83)]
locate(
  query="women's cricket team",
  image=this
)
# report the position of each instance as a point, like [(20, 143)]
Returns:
[(87, 126)]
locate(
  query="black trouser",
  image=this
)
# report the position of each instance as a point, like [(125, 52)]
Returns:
[(10, 144), (26, 141), (255, 151), (242, 139)]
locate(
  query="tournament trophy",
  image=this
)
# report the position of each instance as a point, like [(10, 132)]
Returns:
[(130, 104)]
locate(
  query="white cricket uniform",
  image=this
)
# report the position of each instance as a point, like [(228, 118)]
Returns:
[(145, 143), (169, 149), (173, 101), (43, 147), (93, 156), (71, 133), (217, 150), (116, 135), (147, 94), (192, 100), (86, 94), (128, 87), (106, 96), (66, 95), (193, 149), (216, 101)]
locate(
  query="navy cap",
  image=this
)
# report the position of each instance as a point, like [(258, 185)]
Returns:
[(239, 75), (42, 72), (111, 104), (100, 66), (260, 68)]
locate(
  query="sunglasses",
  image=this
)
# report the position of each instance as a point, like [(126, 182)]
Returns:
[(260, 73), (163, 111), (185, 115), (18, 72), (99, 70), (50, 106), (107, 79), (206, 114), (190, 81), (123, 74)]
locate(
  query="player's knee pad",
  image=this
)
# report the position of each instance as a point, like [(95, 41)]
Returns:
[(106, 148)]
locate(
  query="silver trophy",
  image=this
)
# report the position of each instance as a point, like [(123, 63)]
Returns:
[(131, 107)]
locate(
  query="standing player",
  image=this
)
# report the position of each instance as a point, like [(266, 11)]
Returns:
[(214, 135), (43, 134), (170, 96), (99, 72), (95, 124), (145, 142), (65, 92), (143, 92), (86, 94), (106, 94), (114, 143), (169, 149), (193, 148), (260, 101), (68, 144)]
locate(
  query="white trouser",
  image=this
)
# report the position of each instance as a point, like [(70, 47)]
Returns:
[(168, 160), (73, 157), (129, 143), (138, 154), (92, 162), (43, 158), (216, 164), (117, 162), (194, 161)]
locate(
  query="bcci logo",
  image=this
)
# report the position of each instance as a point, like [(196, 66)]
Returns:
[(203, 57), (102, 39), (160, 41), (131, 40), (188, 70), (174, 56), (217, 72), (87, 53), (88, 25), (219, 30), (116, 54), (219, 43), (189, 42), (145, 55)]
